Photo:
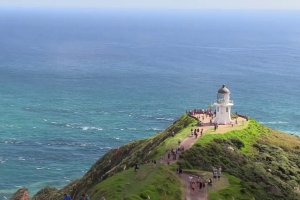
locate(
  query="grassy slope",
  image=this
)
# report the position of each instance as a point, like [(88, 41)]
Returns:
[(234, 191), (116, 160), (172, 142), (266, 161), (157, 182), (248, 135)]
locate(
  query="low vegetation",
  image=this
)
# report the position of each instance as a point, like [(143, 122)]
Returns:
[(234, 190), (266, 161), (150, 181)]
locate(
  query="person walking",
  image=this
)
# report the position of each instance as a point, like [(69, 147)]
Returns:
[(200, 185), (209, 182), (67, 197), (219, 173), (136, 167), (82, 197)]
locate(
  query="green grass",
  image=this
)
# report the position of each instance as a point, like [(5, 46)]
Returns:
[(172, 142), (233, 191), (248, 136), (157, 182), (266, 162)]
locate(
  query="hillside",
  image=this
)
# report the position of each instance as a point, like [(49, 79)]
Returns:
[(258, 163), (266, 161)]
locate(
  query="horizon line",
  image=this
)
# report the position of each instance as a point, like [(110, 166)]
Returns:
[(143, 8)]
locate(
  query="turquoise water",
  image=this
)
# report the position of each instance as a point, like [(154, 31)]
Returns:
[(75, 84)]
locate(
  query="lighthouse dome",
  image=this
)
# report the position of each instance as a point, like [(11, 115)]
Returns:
[(223, 90)]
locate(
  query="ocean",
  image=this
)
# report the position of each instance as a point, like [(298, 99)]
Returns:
[(76, 83)]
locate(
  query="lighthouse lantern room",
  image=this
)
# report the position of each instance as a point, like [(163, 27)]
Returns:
[(223, 106)]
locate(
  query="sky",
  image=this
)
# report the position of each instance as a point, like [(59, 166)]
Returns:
[(159, 4)]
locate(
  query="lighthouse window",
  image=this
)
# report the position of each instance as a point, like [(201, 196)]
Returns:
[(226, 109)]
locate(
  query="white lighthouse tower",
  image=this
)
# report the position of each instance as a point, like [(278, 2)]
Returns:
[(223, 106)]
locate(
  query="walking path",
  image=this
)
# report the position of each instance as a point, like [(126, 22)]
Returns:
[(197, 193), (188, 142)]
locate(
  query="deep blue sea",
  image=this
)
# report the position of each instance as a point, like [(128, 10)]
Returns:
[(76, 83)]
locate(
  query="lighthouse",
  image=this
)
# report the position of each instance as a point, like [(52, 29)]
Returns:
[(223, 106)]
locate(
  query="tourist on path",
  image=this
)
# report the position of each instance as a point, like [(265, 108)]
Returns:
[(67, 197), (209, 182), (219, 173), (84, 197), (215, 173), (136, 167)]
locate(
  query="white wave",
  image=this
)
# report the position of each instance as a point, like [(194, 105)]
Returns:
[(12, 141), (146, 116), (86, 128), (293, 133), (163, 118), (39, 168), (153, 129), (117, 138), (275, 122), (2, 160), (38, 143), (21, 158)]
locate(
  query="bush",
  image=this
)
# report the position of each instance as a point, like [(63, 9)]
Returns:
[(238, 143)]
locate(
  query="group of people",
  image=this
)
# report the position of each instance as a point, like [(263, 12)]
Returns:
[(179, 170), (199, 183), (207, 112), (217, 172), (173, 154), (195, 132), (205, 117), (136, 166), (84, 196)]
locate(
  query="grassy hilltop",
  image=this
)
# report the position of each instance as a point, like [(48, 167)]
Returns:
[(259, 163)]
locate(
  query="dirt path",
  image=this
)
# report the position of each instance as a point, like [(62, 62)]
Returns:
[(197, 193), (187, 143)]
